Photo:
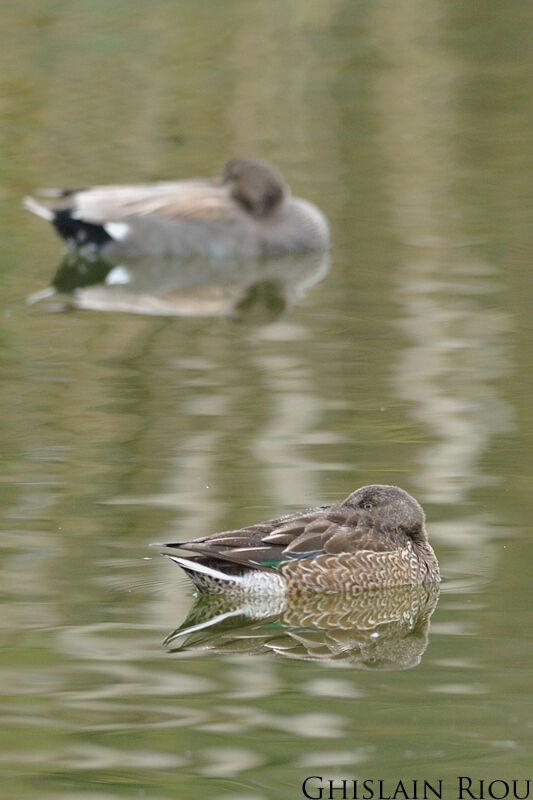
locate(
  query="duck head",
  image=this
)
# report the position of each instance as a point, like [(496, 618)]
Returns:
[(256, 185), (391, 508)]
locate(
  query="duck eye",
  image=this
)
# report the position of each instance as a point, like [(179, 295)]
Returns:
[(368, 506)]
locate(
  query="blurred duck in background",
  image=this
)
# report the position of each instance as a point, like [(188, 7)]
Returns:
[(248, 211)]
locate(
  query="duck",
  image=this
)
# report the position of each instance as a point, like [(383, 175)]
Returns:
[(375, 539), (247, 211)]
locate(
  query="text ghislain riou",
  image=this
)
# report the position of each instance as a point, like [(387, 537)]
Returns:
[(316, 787)]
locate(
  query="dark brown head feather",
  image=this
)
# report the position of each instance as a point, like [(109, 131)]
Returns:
[(256, 185)]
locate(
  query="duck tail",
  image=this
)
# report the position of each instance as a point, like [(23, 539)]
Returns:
[(205, 576), (39, 209), (41, 294), (78, 234)]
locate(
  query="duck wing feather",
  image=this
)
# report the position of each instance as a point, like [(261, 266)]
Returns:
[(326, 530), (172, 200)]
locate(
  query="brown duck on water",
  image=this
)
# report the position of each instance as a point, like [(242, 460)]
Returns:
[(375, 539)]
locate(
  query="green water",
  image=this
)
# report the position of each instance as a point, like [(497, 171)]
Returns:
[(406, 360)]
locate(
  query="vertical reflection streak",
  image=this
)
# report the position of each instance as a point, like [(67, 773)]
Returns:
[(454, 340), (295, 410)]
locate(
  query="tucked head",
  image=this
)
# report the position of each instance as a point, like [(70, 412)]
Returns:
[(392, 508), (256, 185)]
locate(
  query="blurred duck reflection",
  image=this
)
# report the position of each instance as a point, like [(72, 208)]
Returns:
[(254, 290), (386, 629)]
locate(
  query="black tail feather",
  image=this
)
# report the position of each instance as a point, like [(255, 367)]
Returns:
[(78, 233)]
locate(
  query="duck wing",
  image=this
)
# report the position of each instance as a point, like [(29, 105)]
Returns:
[(172, 200), (326, 530)]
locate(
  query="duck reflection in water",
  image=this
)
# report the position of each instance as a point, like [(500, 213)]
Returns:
[(253, 290), (386, 629)]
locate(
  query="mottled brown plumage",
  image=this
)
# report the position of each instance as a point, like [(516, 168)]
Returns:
[(375, 539)]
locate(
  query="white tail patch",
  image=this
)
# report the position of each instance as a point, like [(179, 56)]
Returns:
[(195, 566), (118, 275), (37, 208), (252, 583), (117, 230)]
